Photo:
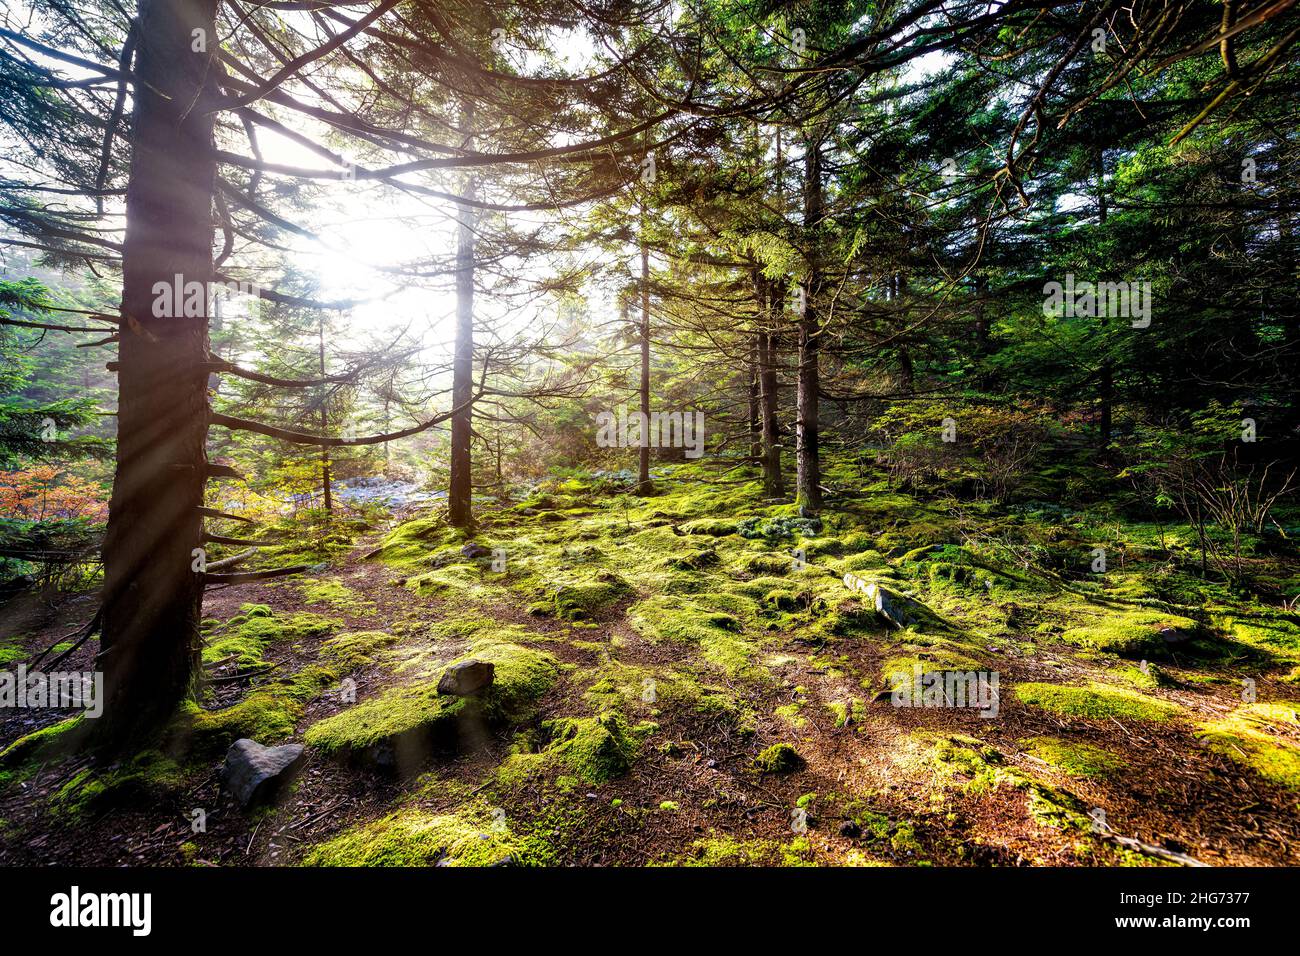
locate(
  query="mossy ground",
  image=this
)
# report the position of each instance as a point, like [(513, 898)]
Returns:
[(685, 679)]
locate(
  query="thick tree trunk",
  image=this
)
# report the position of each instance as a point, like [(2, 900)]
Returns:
[(460, 491), (153, 595), (643, 486), (807, 451)]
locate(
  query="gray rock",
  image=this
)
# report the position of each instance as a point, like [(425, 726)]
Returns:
[(892, 606), (466, 678), (473, 551), (254, 773)]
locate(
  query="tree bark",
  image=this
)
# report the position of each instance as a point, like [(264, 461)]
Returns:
[(755, 424), (807, 452), (153, 592), (326, 490), (1106, 378), (460, 490), (643, 486), (766, 293)]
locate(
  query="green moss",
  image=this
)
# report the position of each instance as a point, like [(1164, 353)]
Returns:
[(333, 593), (264, 716), (729, 851), (586, 750), (847, 711), (1260, 736), (1097, 702), (1052, 807), (1075, 759), (954, 760), (1130, 633), (766, 562), (413, 540), (865, 561), (714, 527), (245, 638), (814, 548), (582, 600), (10, 652), (778, 758), (414, 837), (971, 765), (718, 634), (1152, 678), (396, 714), (413, 717), (596, 749), (145, 779), (697, 560), (54, 740), (354, 649), (790, 714), (899, 671)]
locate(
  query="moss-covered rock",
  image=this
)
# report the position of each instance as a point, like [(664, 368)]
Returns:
[(264, 716), (413, 540), (582, 600), (1132, 633), (596, 749), (402, 726), (778, 758)]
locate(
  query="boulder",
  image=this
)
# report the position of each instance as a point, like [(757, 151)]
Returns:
[(473, 551), (253, 773), (895, 608), (466, 678)]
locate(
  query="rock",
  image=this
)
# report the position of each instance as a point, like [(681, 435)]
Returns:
[(473, 551), (466, 678), (850, 829), (253, 773), (1173, 635), (898, 610)]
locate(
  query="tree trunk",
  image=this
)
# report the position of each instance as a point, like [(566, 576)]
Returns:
[(807, 453), (755, 425), (643, 486), (773, 485), (152, 596), (1106, 382), (326, 491), (460, 490)]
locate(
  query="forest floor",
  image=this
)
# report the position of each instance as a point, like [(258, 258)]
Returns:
[(688, 679)]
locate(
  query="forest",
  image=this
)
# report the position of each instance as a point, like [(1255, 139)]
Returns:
[(649, 433)]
